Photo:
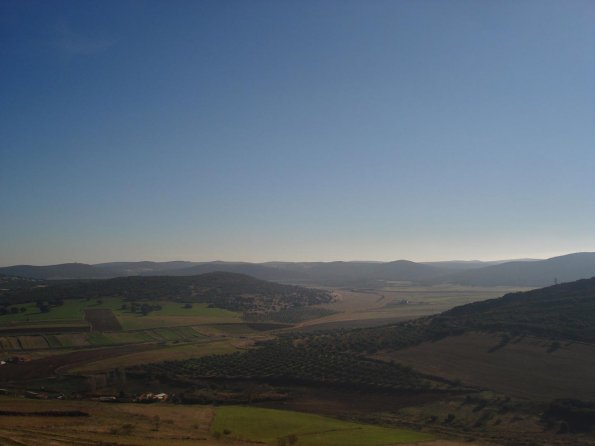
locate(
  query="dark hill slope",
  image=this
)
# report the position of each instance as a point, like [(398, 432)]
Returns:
[(565, 311), (225, 290), (536, 273), (8, 283)]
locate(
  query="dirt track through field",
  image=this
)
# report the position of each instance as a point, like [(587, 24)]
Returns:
[(102, 319)]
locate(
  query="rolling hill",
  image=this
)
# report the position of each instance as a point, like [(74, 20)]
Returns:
[(231, 291), (536, 273), (521, 273)]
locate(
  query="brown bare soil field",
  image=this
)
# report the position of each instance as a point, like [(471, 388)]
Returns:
[(73, 340), (33, 342), (524, 367), (48, 366), (102, 319), (160, 353)]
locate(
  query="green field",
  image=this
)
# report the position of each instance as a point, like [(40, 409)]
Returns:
[(171, 313), (100, 339), (269, 425)]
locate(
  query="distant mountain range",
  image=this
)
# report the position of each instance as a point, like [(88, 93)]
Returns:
[(526, 272), (536, 273)]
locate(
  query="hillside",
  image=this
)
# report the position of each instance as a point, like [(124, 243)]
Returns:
[(231, 291), (564, 312), (536, 273), (13, 282)]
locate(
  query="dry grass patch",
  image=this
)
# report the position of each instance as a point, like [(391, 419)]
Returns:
[(524, 368)]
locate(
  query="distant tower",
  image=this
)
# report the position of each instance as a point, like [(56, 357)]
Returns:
[(555, 281)]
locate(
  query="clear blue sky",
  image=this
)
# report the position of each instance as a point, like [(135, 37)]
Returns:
[(302, 130)]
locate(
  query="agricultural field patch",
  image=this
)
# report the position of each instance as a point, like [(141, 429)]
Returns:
[(69, 310), (534, 368), (102, 319), (272, 426), (9, 343), (72, 339), (283, 362), (239, 329), (47, 366), (177, 334), (156, 424), (73, 311), (97, 338), (33, 342), (131, 321), (47, 327), (160, 353), (129, 337)]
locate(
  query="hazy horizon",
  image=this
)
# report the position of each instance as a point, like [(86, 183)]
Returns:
[(504, 259), (308, 131)]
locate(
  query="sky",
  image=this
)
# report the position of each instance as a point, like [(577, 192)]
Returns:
[(296, 130)]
